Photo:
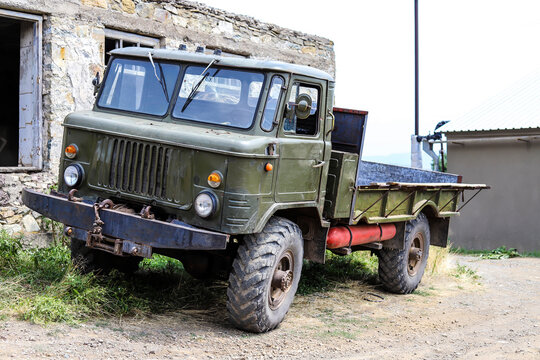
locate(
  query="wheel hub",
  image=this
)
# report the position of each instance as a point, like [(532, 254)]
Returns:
[(416, 252), (282, 280)]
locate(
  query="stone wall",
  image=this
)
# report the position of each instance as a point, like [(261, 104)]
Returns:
[(73, 47)]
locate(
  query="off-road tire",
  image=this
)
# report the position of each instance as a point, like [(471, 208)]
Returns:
[(394, 267), (250, 281), (88, 260)]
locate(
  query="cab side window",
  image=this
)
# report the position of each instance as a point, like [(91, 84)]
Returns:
[(308, 126), (272, 102)]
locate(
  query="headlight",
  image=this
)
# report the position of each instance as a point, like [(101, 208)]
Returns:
[(205, 204), (73, 175)]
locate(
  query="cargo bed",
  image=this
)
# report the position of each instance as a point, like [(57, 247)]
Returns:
[(370, 192)]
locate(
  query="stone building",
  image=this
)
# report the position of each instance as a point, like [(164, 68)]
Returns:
[(52, 49)]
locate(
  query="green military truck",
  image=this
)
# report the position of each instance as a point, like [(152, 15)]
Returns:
[(240, 169)]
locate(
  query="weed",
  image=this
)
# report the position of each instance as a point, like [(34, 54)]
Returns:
[(438, 260), (422, 293), (55, 228), (337, 270), (462, 271), (499, 253), (337, 334)]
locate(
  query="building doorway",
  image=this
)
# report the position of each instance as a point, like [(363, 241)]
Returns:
[(10, 31)]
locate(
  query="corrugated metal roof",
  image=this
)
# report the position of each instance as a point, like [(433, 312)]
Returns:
[(518, 107)]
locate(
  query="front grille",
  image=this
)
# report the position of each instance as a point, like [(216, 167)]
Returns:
[(138, 168)]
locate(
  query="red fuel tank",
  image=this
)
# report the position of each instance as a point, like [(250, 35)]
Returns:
[(340, 236)]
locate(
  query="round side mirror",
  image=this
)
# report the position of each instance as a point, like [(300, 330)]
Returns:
[(97, 83), (303, 106)]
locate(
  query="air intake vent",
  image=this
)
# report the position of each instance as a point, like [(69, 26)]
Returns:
[(139, 168)]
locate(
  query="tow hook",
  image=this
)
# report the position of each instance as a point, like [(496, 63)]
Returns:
[(95, 234), (72, 197), (145, 213)]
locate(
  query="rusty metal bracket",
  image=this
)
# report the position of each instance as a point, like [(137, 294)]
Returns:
[(472, 197), (452, 199), (394, 209), (428, 200), (132, 248)]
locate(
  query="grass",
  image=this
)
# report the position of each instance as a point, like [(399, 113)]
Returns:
[(438, 261), (359, 265), (42, 285), (465, 272), (501, 252)]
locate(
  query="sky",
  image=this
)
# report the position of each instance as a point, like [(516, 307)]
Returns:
[(470, 50)]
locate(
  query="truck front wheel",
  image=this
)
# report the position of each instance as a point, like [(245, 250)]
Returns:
[(265, 276), (400, 271)]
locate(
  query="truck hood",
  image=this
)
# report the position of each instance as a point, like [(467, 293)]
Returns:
[(175, 134)]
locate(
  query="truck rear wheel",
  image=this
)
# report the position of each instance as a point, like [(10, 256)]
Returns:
[(400, 271), (91, 260), (265, 276)]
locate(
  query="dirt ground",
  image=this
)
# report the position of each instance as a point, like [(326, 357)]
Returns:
[(495, 316)]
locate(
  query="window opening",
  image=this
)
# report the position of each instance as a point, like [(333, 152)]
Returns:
[(115, 39), (309, 125), (272, 103), (224, 97), (131, 85)]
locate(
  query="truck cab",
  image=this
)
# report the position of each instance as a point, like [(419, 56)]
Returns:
[(219, 143)]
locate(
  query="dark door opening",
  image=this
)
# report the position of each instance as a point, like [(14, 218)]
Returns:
[(9, 94)]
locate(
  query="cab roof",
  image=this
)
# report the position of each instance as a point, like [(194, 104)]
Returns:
[(185, 56)]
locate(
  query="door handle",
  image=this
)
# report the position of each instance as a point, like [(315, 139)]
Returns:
[(319, 164)]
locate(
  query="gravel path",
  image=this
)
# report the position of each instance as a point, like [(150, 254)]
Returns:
[(494, 317)]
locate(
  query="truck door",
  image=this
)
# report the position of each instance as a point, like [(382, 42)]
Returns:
[(301, 145)]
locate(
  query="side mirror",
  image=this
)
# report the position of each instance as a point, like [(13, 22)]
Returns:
[(97, 83), (303, 106)]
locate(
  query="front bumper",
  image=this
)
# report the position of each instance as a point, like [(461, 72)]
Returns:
[(127, 231)]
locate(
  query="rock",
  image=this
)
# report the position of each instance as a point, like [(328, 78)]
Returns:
[(97, 3), (12, 230), (161, 15), (309, 50), (6, 213), (14, 219), (30, 224), (4, 198), (128, 6)]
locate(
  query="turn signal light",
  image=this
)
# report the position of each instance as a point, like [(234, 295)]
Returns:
[(214, 179), (268, 167), (71, 151)]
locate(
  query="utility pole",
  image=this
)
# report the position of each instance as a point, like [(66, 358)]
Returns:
[(416, 152)]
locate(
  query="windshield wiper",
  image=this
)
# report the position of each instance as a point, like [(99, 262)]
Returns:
[(194, 89), (163, 85)]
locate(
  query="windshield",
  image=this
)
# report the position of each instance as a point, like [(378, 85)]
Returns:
[(225, 97), (132, 85)]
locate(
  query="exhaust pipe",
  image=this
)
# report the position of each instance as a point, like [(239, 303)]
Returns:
[(344, 235)]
